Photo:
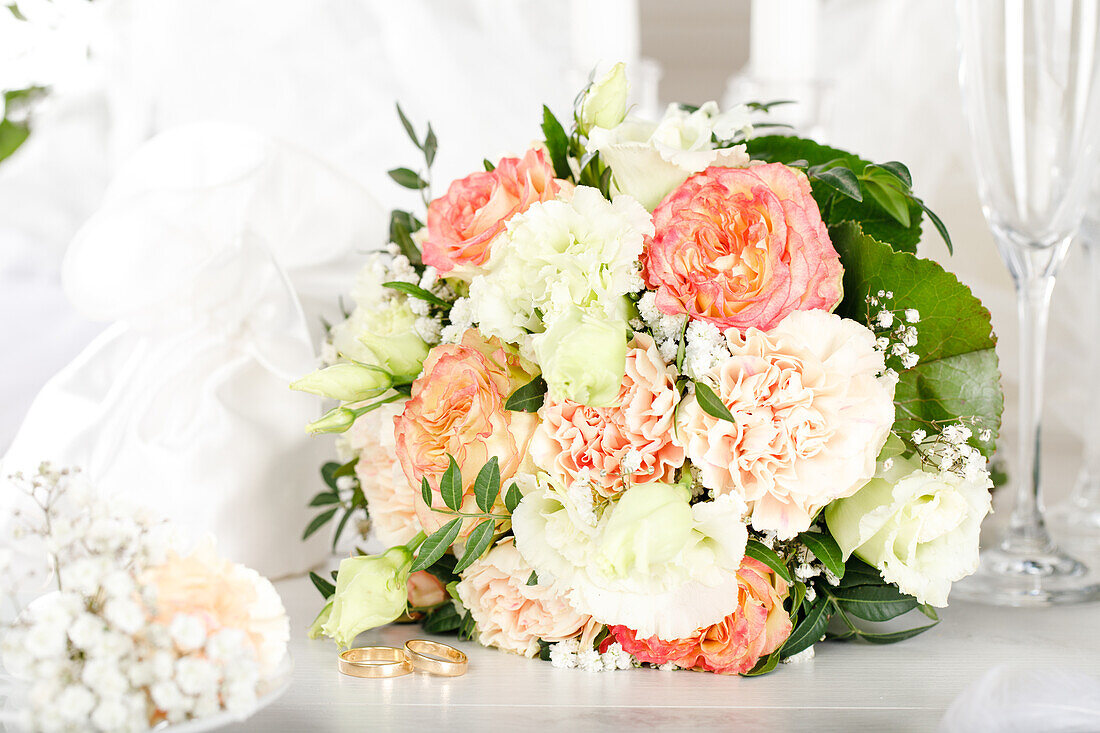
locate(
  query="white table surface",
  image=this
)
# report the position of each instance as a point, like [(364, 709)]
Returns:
[(848, 686)]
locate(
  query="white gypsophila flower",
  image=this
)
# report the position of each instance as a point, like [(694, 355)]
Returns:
[(188, 632), (76, 703), (912, 315), (563, 654), (560, 255), (706, 348), (196, 676), (985, 435), (226, 644), (168, 697), (650, 159), (140, 674), (15, 655), (805, 655), (462, 319), (163, 664), (590, 661), (884, 319), (124, 614), (206, 705), (617, 658), (239, 697), (909, 360), (45, 640), (110, 714), (429, 329), (104, 677), (118, 584)]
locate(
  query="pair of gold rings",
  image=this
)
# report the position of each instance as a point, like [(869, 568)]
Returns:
[(421, 655)]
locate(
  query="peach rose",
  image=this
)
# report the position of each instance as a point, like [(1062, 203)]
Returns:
[(510, 614), (574, 441), (425, 590), (742, 247), (810, 415), (463, 222), (388, 493), (754, 630), (223, 595), (457, 408)]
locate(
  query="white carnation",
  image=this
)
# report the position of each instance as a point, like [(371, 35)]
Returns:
[(556, 255)]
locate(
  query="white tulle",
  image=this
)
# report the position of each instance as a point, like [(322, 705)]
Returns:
[(1011, 699), (215, 253)]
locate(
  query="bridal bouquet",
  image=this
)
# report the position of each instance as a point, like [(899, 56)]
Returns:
[(133, 633), (664, 393)]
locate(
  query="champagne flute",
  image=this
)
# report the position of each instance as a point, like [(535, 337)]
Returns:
[(1030, 74)]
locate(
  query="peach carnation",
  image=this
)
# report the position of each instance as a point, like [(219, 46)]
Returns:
[(457, 409), (810, 415), (463, 222), (222, 595), (601, 444), (742, 247), (735, 644), (510, 614), (388, 493)]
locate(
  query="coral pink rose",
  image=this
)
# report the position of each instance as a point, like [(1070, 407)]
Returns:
[(457, 409), (754, 630), (574, 441), (742, 247), (510, 614), (810, 415), (463, 223), (425, 590)]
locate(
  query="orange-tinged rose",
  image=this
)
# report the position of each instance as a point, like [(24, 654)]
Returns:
[(457, 409), (463, 223), (742, 247), (755, 629)]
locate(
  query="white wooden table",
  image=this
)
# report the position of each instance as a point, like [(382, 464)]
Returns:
[(848, 686)]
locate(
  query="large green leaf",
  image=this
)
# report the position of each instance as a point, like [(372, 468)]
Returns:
[(874, 602), (957, 374), (876, 221)]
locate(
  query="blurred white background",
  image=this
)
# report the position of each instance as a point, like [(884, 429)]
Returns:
[(323, 75)]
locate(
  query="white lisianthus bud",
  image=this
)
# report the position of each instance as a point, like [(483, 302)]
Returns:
[(583, 358), (649, 525), (336, 420), (370, 591), (919, 528), (394, 341), (604, 103), (347, 382)]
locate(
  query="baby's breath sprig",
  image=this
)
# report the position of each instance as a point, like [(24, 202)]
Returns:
[(945, 446), (895, 331)]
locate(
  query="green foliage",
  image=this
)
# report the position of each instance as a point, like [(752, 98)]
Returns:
[(557, 144), (957, 375), (512, 498), (436, 544), (764, 665), (533, 578), (442, 620), (762, 553), (477, 543), (326, 588), (350, 501), (487, 485), (529, 397), (711, 403), (402, 225), (408, 178), (415, 291), (825, 549), (450, 485)]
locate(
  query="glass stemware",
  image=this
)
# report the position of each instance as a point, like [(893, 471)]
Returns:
[(1029, 71)]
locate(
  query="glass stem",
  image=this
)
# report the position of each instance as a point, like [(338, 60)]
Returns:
[(1087, 492)]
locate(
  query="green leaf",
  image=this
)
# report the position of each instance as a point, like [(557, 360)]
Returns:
[(442, 620), (431, 145), (928, 611), (760, 552), (512, 498), (874, 219), (450, 485), (477, 543), (347, 469), (842, 180), (533, 578), (894, 636), (874, 603), (899, 171), (340, 527), (489, 167), (325, 498), (444, 569), (408, 178), (437, 544), (557, 143), (764, 665), (415, 291), (326, 588), (825, 549), (940, 227), (809, 631), (319, 521), (711, 403), (957, 374), (468, 627), (12, 135), (328, 474), (529, 397), (407, 125), (487, 485), (402, 225), (857, 572), (893, 201), (426, 491)]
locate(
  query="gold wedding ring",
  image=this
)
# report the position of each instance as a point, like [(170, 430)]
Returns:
[(374, 661), (435, 658)]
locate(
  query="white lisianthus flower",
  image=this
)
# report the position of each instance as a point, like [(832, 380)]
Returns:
[(604, 103), (650, 159), (919, 528), (559, 254), (583, 357), (651, 562)]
